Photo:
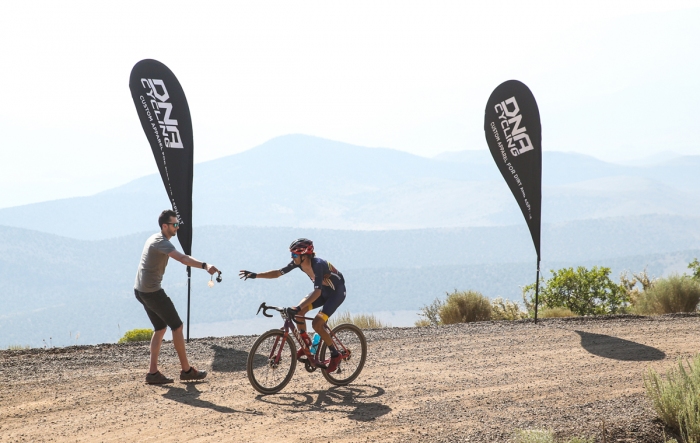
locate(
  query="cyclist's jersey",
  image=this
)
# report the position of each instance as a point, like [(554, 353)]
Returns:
[(325, 274)]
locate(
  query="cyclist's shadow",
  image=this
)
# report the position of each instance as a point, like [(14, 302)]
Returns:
[(340, 399)]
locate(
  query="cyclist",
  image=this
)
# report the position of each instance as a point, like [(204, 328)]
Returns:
[(328, 293)]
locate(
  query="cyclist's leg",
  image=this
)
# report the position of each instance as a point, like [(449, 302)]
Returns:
[(301, 325), (332, 300)]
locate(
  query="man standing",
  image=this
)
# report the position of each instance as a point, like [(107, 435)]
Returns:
[(158, 306)]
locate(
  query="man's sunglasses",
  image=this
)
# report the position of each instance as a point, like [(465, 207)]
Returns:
[(175, 225)]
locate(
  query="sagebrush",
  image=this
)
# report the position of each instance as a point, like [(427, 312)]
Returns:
[(676, 293), (506, 310), (676, 397), (465, 307), (545, 436), (468, 306)]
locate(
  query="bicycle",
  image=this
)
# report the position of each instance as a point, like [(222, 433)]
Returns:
[(273, 358)]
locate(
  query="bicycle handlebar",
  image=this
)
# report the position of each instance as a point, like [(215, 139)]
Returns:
[(282, 312)]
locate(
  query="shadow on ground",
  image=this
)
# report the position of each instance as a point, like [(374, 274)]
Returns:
[(346, 400), (228, 359), (618, 348), (190, 396)]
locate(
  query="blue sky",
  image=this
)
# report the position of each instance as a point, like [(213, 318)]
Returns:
[(616, 80)]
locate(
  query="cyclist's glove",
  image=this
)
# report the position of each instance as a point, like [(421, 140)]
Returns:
[(291, 312), (245, 275)]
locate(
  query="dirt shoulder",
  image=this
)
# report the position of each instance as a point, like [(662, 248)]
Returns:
[(474, 382)]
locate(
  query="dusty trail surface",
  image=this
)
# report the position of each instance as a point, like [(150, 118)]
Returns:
[(472, 382)]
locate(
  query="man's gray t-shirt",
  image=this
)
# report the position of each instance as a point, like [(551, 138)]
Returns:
[(154, 259)]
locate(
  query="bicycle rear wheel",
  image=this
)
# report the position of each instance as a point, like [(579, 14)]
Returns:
[(349, 340), (271, 362)]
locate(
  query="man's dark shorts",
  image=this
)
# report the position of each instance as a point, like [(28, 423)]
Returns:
[(330, 298), (160, 309)]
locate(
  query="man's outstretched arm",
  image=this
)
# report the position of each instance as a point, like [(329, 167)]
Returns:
[(192, 262)]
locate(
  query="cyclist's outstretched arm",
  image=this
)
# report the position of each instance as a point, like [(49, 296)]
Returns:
[(245, 275)]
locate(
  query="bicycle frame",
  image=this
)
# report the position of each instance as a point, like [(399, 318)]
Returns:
[(289, 325)]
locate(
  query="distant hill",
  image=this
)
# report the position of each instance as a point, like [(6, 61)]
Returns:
[(54, 286), (307, 182)]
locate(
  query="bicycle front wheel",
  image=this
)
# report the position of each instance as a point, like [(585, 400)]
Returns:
[(350, 341), (271, 362)]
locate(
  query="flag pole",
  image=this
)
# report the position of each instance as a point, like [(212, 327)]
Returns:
[(537, 287), (189, 274)]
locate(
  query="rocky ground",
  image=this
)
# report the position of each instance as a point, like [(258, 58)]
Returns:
[(475, 382)]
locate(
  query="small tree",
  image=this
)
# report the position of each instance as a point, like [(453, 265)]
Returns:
[(695, 267), (582, 291)]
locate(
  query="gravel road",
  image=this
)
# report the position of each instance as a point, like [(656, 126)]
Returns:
[(476, 382)]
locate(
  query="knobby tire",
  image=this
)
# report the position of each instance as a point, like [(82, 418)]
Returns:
[(265, 374), (349, 369)]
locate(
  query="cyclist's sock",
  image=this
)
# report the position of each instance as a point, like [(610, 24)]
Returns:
[(334, 352)]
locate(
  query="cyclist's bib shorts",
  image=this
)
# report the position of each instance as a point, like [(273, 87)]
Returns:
[(330, 299)]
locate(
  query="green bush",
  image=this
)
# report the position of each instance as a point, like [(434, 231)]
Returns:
[(677, 398), (675, 293), (137, 335), (465, 307), (555, 313), (506, 310), (362, 321), (582, 291)]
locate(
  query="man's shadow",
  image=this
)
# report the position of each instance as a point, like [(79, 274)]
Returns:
[(189, 396), (618, 348), (228, 359), (339, 399)]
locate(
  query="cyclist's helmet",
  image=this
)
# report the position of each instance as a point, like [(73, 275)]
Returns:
[(302, 246)]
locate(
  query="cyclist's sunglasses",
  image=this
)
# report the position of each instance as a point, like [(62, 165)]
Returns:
[(294, 255)]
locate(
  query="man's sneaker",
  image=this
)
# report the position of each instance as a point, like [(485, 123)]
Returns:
[(192, 374), (335, 361), (157, 379)]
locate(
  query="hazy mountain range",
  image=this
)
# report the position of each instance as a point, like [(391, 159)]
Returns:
[(302, 181), (55, 286), (403, 229)]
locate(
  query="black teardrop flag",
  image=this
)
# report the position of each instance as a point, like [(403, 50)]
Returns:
[(165, 118), (514, 135)]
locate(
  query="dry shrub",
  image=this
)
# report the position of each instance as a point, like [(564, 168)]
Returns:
[(362, 321), (465, 307), (506, 310), (555, 313), (675, 293)]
